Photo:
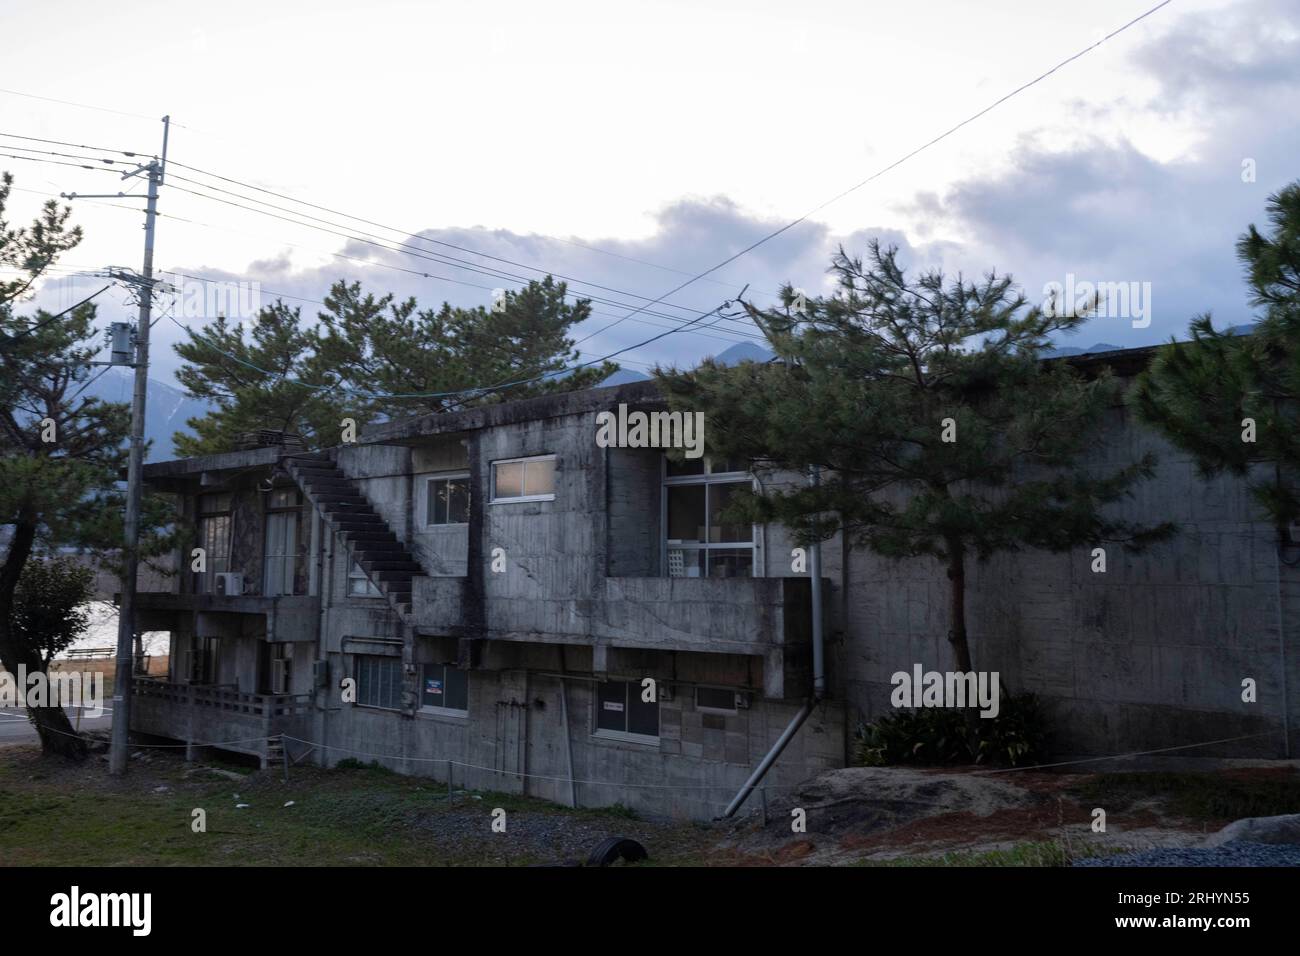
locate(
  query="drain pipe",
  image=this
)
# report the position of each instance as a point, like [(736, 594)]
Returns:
[(819, 675)]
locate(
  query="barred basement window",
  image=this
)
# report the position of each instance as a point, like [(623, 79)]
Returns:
[(715, 700), (621, 713), (379, 681)]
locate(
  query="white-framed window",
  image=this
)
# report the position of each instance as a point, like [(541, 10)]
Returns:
[(446, 500), (524, 479), (359, 583), (379, 681), (698, 543), (444, 689), (622, 714)]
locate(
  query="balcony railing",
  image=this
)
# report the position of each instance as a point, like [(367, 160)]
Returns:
[(227, 698), (211, 715)]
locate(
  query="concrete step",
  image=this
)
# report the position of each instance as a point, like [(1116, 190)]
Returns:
[(392, 564), (368, 548)]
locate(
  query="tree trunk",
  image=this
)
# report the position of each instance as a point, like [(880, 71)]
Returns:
[(957, 604), (52, 724)]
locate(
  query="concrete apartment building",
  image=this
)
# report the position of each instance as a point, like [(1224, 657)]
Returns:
[(482, 594)]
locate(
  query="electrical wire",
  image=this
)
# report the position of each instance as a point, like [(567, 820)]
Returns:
[(407, 232), (406, 249), (896, 163)]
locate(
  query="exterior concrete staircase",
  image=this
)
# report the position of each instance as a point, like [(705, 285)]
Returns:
[(368, 539)]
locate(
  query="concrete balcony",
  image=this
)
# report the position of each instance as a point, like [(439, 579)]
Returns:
[(205, 715), (288, 618), (764, 617)]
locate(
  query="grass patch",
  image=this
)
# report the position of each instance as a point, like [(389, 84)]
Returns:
[(1196, 796), (1029, 853), (53, 813)]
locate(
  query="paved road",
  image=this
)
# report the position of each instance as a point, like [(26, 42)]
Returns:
[(15, 728)]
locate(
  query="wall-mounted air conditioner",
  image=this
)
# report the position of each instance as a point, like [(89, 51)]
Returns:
[(230, 584)]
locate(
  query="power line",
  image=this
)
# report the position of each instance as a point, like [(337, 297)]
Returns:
[(719, 334), (56, 162), (59, 142), (407, 249), (84, 106), (491, 272), (898, 162), (38, 325), (481, 390), (407, 232), (285, 295)]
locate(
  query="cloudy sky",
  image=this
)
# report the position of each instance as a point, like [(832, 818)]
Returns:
[(630, 146)]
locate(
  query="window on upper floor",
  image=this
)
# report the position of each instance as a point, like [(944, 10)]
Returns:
[(524, 479), (214, 539), (280, 551), (699, 542), (446, 500)]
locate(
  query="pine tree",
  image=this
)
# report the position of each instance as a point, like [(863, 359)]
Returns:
[(61, 451), (938, 427), (373, 358), (1231, 400), (227, 365)]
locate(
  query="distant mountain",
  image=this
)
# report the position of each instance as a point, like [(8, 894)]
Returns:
[(1090, 350), (623, 376), (166, 409), (743, 352)]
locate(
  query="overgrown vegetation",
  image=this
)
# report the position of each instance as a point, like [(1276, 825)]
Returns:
[(938, 736), (1197, 796)]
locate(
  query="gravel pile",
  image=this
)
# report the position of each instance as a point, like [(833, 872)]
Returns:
[(1237, 853)]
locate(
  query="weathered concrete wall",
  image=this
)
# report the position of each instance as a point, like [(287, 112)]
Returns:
[(1149, 654), (514, 740), (442, 550)]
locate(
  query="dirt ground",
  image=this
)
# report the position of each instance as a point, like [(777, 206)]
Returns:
[(55, 813)]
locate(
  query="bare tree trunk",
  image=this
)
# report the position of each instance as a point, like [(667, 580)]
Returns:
[(957, 603), (52, 724)]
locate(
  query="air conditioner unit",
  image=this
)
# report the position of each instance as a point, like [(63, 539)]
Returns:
[(279, 676), (230, 584), (742, 700)]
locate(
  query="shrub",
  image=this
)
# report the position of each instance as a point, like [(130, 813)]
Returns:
[(938, 736)]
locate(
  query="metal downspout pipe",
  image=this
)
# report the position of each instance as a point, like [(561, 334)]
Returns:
[(819, 675)]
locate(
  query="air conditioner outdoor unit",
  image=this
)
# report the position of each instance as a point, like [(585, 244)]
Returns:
[(230, 584), (742, 700)]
